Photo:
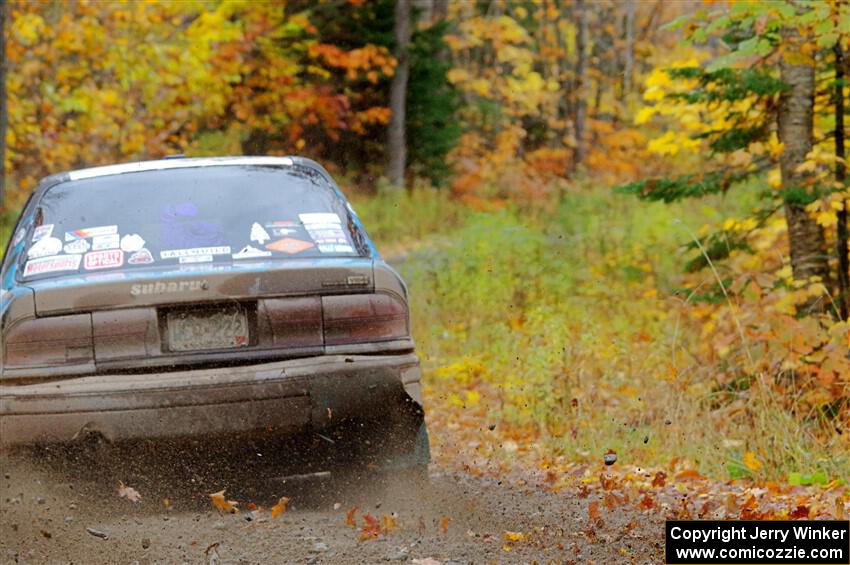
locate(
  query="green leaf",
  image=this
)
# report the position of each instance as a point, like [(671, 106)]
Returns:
[(737, 470)]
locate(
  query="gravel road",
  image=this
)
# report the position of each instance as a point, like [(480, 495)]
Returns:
[(64, 507)]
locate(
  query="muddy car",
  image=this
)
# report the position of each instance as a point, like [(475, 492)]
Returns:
[(187, 298)]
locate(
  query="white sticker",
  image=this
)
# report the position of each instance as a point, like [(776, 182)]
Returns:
[(319, 218), (78, 246), (343, 249), (326, 248), (132, 242), (249, 252), (196, 259), (42, 231), (19, 236), (107, 259), (90, 232), (52, 264), (194, 252), (140, 257), (44, 247), (100, 242), (258, 234)]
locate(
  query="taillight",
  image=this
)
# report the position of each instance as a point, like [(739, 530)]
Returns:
[(48, 342), (359, 318), (293, 322)]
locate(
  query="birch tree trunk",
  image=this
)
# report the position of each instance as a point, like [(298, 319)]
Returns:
[(842, 236), (581, 84), (397, 150), (796, 108)]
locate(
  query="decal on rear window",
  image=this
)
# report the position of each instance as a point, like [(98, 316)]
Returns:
[(42, 231), (258, 234), (289, 245), (52, 264), (194, 252), (44, 247), (101, 242), (140, 257), (249, 252), (107, 259), (90, 232), (78, 246), (132, 242)]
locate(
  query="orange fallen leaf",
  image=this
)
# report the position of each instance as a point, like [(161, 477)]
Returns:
[(349, 518), (371, 528), (659, 479), (129, 493), (389, 523), (593, 511), (647, 503), (280, 507), (444, 524), (223, 505), (689, 475), (252, 507)]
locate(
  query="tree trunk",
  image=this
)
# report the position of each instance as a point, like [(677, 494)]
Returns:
[(629, 50), (841, 177), (581, 84), (796, 108), (4, 117), (398, 93)]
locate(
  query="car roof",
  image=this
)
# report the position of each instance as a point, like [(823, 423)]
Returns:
[(178, 163)]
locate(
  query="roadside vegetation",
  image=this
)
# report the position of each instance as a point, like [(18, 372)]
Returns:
[(571, 336)]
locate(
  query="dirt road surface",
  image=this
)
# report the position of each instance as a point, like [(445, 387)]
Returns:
[(63, 507)]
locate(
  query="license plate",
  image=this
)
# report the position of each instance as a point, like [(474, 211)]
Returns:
[(221, 328)]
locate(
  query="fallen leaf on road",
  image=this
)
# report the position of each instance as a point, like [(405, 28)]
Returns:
[(371, 528), (349, 518), (223, 505), (389, 523), (444, 524), (593, 511), (129, 493), (514, 536), (280, 507)]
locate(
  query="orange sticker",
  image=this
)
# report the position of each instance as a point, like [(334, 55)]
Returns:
[(289, 245)]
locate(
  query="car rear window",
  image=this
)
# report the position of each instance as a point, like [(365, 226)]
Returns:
[(187, 216)]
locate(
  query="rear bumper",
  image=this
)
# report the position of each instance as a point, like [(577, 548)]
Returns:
[(286, 397)]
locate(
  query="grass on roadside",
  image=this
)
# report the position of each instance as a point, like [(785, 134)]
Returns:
[(565, 335)]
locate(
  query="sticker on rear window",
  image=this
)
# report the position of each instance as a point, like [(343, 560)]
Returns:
[(90, 232), (196, 259), (281, 228), (19, 236), (101, 242), (319, 218), (44, 247), (78, 246), (107, 259), (132, 242), (336, 249), (42, 231), (140, 257), (258, 234), (52, 264), (194, 252), (289, 245), (249, 252)]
